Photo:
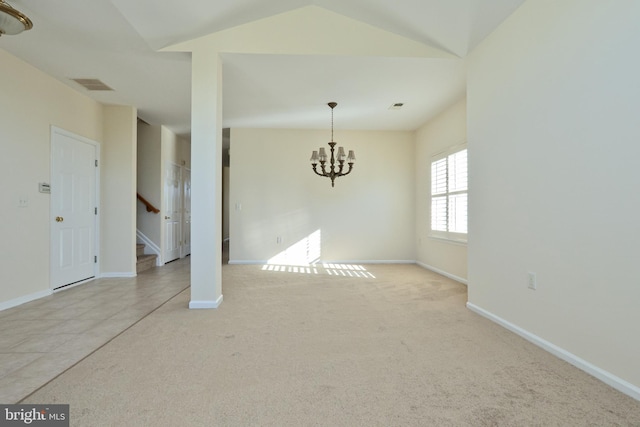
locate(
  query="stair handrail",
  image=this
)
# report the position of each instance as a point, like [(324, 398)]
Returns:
[(150, 207)]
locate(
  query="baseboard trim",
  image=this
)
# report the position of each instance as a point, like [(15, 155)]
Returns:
[(73, 285), (443, 273), (117, 275), (195, 305), (247, 262), (265, 262), (142, 238), (24, 299), (370, 261), (604, 376)]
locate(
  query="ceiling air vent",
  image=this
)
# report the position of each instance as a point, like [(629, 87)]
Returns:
[(92, 84)]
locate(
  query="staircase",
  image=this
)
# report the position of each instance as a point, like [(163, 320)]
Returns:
[(145, 261)]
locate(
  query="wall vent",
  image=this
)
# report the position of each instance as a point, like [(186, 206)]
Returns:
[(92, 84)]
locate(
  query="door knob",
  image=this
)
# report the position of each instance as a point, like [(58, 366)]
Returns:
[(59, 219)]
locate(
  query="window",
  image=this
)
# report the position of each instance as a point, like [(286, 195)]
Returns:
[(449, 195)]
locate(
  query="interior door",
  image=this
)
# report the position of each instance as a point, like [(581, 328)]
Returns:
[(172, 212), (73, 208), (186, 218)]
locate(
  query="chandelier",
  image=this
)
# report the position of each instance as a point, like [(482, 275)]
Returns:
[(321, 156), (12, 21)]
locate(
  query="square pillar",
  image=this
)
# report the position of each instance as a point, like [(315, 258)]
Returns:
[(206, 180)]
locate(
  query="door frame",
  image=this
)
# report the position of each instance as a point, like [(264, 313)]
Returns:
[(183, 252), (97, 147), (171, 164)]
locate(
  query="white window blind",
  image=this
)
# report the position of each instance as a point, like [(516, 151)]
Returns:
[(449, 185)]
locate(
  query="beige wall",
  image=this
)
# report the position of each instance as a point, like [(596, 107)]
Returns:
[(368, 215), (447, 130), (118, 191), (175, 149), (31, 102), (553, 148), (184, 154), (149, 180), (157, 147)]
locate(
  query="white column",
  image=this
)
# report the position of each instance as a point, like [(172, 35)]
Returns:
[(206, 180)]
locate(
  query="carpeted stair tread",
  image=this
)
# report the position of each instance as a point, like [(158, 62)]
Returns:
[(144, 261)]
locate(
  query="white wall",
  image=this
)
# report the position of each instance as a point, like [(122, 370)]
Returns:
[(30, 103), (554, 147), (368, 215), (118, 182), (439, 134)]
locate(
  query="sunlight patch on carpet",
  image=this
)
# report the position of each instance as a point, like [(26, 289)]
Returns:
[(329, 269)]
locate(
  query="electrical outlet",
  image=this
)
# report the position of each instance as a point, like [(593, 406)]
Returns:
[(532, 282), (23, 201)]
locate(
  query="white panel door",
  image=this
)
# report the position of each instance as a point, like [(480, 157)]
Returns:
[(172, 213), (73, 208), (186, 218)]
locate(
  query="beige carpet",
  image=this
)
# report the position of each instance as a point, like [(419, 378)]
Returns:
[(339, 349)]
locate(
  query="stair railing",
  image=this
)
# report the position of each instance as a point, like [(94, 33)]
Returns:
[(150, 207)]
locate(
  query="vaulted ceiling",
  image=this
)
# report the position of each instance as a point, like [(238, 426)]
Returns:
[(119, 42)]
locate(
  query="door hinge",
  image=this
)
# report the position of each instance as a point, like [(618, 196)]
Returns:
[(95, 211), (95, 259), (96, 163)]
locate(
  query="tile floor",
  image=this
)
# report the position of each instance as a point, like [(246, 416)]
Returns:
[(41, 339)]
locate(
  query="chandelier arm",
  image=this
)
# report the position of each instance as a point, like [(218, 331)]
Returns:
[(348, 171), (324, 170)]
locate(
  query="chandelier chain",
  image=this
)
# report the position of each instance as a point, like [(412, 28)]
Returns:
[(332, 125)]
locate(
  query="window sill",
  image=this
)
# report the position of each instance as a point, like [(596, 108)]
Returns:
[(458, 242)]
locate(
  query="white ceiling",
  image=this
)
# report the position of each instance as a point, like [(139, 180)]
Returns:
[(117, 41)]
